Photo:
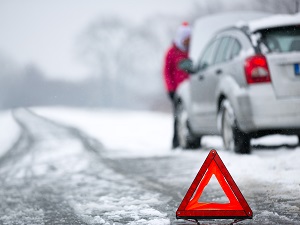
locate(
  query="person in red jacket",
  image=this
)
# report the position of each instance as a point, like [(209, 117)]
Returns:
[(173, 75)]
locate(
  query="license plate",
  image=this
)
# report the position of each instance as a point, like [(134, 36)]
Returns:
[(297, 69)]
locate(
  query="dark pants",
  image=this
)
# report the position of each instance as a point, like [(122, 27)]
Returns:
[(175, 142)]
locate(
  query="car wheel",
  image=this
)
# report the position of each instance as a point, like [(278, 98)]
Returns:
[(186, 139), (233, 138)]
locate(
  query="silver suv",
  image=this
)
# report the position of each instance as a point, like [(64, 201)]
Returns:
[(246, 84)]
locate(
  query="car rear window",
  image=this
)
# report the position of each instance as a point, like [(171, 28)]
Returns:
[(283, 39)]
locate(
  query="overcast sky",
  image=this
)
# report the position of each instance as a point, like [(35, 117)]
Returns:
[(44, 32)]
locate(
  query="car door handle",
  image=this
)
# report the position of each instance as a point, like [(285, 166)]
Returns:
[(219, 72), (201, 77)]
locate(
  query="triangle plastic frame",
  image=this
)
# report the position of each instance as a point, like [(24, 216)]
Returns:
[(237, 208)]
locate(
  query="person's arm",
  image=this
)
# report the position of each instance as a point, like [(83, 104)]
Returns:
[(168, 74)]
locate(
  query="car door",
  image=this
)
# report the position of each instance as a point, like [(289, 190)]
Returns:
[(203, 84)]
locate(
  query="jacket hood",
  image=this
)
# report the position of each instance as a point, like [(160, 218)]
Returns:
[(182, 33)]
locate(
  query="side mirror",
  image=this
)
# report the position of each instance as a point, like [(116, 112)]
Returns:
[(187, 65)]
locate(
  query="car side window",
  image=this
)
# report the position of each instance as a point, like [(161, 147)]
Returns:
[(235, 48), (208, 56), (222, 50), (229, 48)]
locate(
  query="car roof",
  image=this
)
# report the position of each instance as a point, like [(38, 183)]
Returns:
[(206, 27), (274, 21)]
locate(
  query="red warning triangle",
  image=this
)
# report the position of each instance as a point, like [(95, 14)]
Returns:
[(236, 208)]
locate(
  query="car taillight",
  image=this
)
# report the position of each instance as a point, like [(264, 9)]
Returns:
[(257, 70)]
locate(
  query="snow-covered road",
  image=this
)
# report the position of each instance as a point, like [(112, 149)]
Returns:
[(108, 167)]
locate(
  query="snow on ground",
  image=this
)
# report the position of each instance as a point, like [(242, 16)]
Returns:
[(97, 194), (136, 134), (9, 131), (139, 133), (51, 162)]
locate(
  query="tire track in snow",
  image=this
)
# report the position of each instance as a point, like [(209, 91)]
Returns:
[(27, 197), (44, 197)]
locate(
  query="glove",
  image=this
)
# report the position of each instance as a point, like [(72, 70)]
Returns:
[(186, 65), (171, 95)]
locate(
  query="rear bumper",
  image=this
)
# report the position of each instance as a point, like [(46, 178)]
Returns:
[(259, 109)]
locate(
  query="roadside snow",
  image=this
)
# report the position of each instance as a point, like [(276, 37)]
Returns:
[(10, 131), (148, 134), (129, 133)]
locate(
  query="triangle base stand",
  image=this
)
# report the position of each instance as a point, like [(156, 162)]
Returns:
[(232, 223)]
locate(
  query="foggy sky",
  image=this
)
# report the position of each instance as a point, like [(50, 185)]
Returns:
[(44, 32)]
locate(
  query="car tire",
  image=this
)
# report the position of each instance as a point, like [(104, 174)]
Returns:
[(233, 138), (186, 139)]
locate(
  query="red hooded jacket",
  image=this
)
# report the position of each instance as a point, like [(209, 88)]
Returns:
[(172, 73)]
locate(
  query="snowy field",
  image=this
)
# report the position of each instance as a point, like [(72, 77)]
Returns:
[(142, 180), (9, 133)]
